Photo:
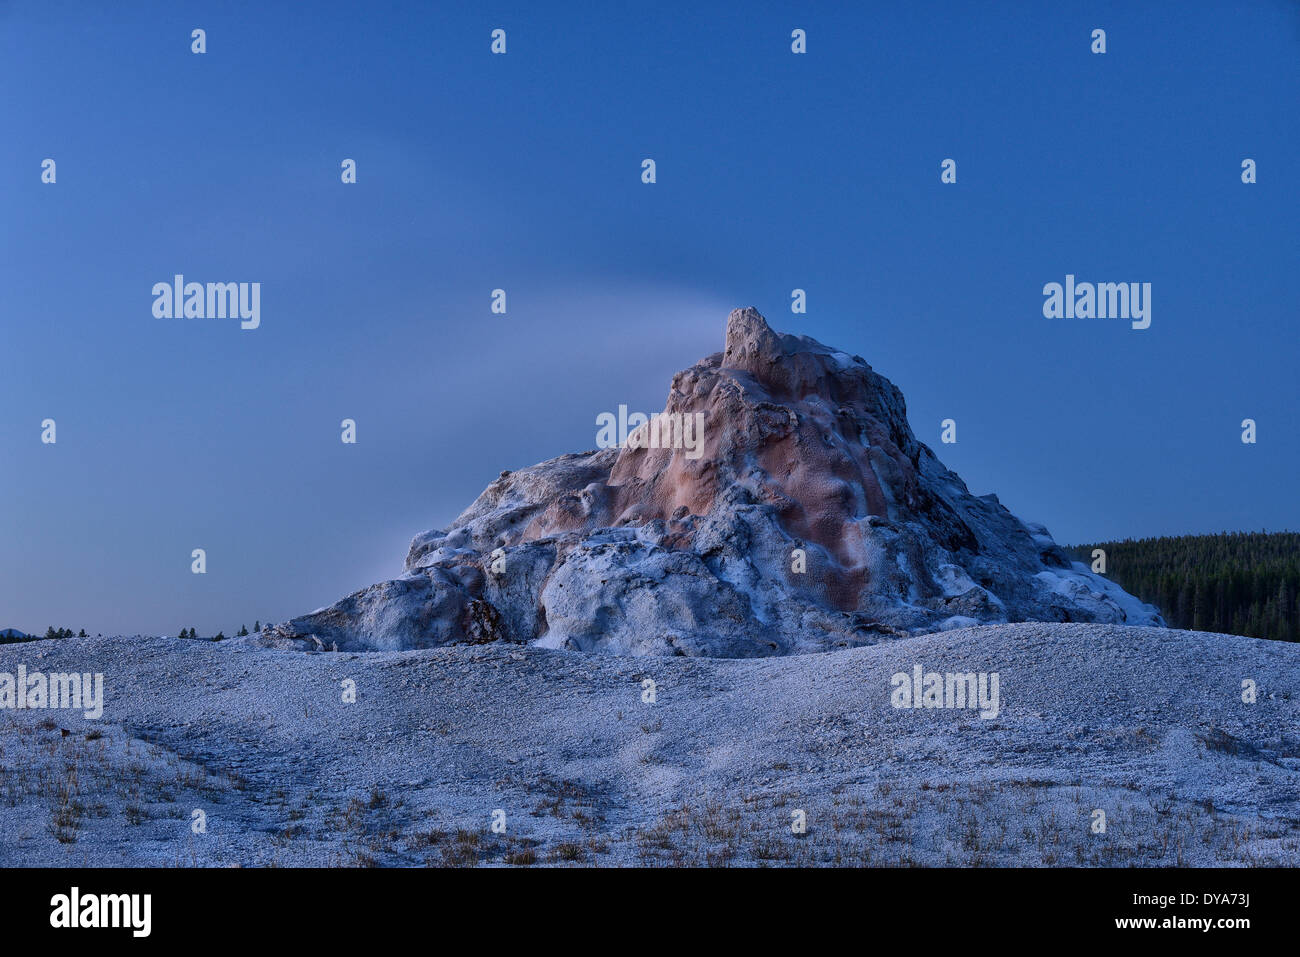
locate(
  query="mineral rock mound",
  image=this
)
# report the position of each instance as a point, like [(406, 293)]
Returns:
[(803, 516)]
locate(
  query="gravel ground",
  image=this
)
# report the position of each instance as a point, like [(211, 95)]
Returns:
[(259, 747)]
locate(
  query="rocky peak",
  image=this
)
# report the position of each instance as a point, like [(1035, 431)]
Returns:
[(797, 512), (751, 343)]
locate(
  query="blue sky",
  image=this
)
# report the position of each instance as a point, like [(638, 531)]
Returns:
[(775, 171)]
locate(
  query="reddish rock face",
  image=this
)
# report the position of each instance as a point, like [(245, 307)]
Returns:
[(807, 431), (811, 433), (780, 503)]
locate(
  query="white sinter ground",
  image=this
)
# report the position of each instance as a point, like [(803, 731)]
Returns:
[(1145, 724)]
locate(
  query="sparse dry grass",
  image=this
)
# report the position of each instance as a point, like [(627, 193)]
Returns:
[(78, 774), (990, 824)]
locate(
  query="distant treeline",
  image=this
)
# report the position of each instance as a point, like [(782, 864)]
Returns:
[(1240, 583), (11, 636)]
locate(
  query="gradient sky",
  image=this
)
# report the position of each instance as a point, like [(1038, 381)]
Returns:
[(522, 171)]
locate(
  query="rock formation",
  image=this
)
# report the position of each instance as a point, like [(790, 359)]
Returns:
[(808, 517)]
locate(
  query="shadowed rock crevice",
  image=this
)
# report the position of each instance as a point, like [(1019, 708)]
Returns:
[(804, 516)]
